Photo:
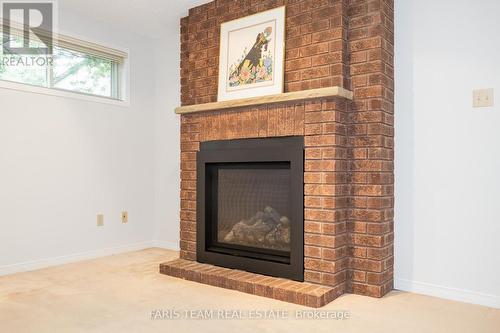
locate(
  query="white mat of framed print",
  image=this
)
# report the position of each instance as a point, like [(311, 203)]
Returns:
[(252, 52)]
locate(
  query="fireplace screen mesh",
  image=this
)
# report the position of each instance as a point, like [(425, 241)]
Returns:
[(253, 207)]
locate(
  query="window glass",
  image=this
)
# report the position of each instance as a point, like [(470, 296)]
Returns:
[(24, 69), (65, 69), (79, 72)]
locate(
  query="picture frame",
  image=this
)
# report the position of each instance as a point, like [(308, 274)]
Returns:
[(252, 56)]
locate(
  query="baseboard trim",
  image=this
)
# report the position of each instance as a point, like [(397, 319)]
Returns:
[(454, 294), (48, 262)]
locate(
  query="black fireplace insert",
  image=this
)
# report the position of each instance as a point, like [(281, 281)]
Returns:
[(250, 205)]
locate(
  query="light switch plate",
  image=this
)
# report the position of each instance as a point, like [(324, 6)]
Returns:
[(483, 98)]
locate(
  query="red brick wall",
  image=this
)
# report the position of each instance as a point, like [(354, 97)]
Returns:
[(349, 146), (316, 49), (371, 141)]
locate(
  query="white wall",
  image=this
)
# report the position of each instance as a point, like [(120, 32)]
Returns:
[(63, 160), (167, 141), (447, 153)]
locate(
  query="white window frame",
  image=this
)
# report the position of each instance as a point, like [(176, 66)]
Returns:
[(121, 69)]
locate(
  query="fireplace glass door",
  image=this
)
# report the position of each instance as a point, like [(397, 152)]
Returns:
[(251, 207)]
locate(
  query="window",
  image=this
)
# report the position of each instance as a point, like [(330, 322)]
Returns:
[(74, 65)]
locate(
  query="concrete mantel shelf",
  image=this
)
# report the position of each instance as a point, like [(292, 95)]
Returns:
[(271, 99)]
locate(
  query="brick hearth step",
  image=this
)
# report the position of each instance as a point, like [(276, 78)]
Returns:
[(302, 293)]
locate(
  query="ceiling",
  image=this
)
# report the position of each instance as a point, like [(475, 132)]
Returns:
[(144, 17)]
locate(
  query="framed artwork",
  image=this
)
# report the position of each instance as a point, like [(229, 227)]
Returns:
[(252, 52)]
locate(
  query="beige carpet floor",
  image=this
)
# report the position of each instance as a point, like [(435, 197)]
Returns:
[(121, 293)]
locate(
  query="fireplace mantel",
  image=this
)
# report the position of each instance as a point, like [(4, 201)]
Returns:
[(271, 99)]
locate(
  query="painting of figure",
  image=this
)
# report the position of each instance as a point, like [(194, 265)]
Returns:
[(251, 56), (256, 65)]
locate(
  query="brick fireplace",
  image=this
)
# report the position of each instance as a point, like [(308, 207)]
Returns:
[(348, 144)]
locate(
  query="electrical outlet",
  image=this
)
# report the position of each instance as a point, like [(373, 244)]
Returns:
[(483, 98), (100, 220), (124, 217)]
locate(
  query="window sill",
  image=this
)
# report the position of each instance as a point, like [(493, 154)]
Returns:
[(61, 93)]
